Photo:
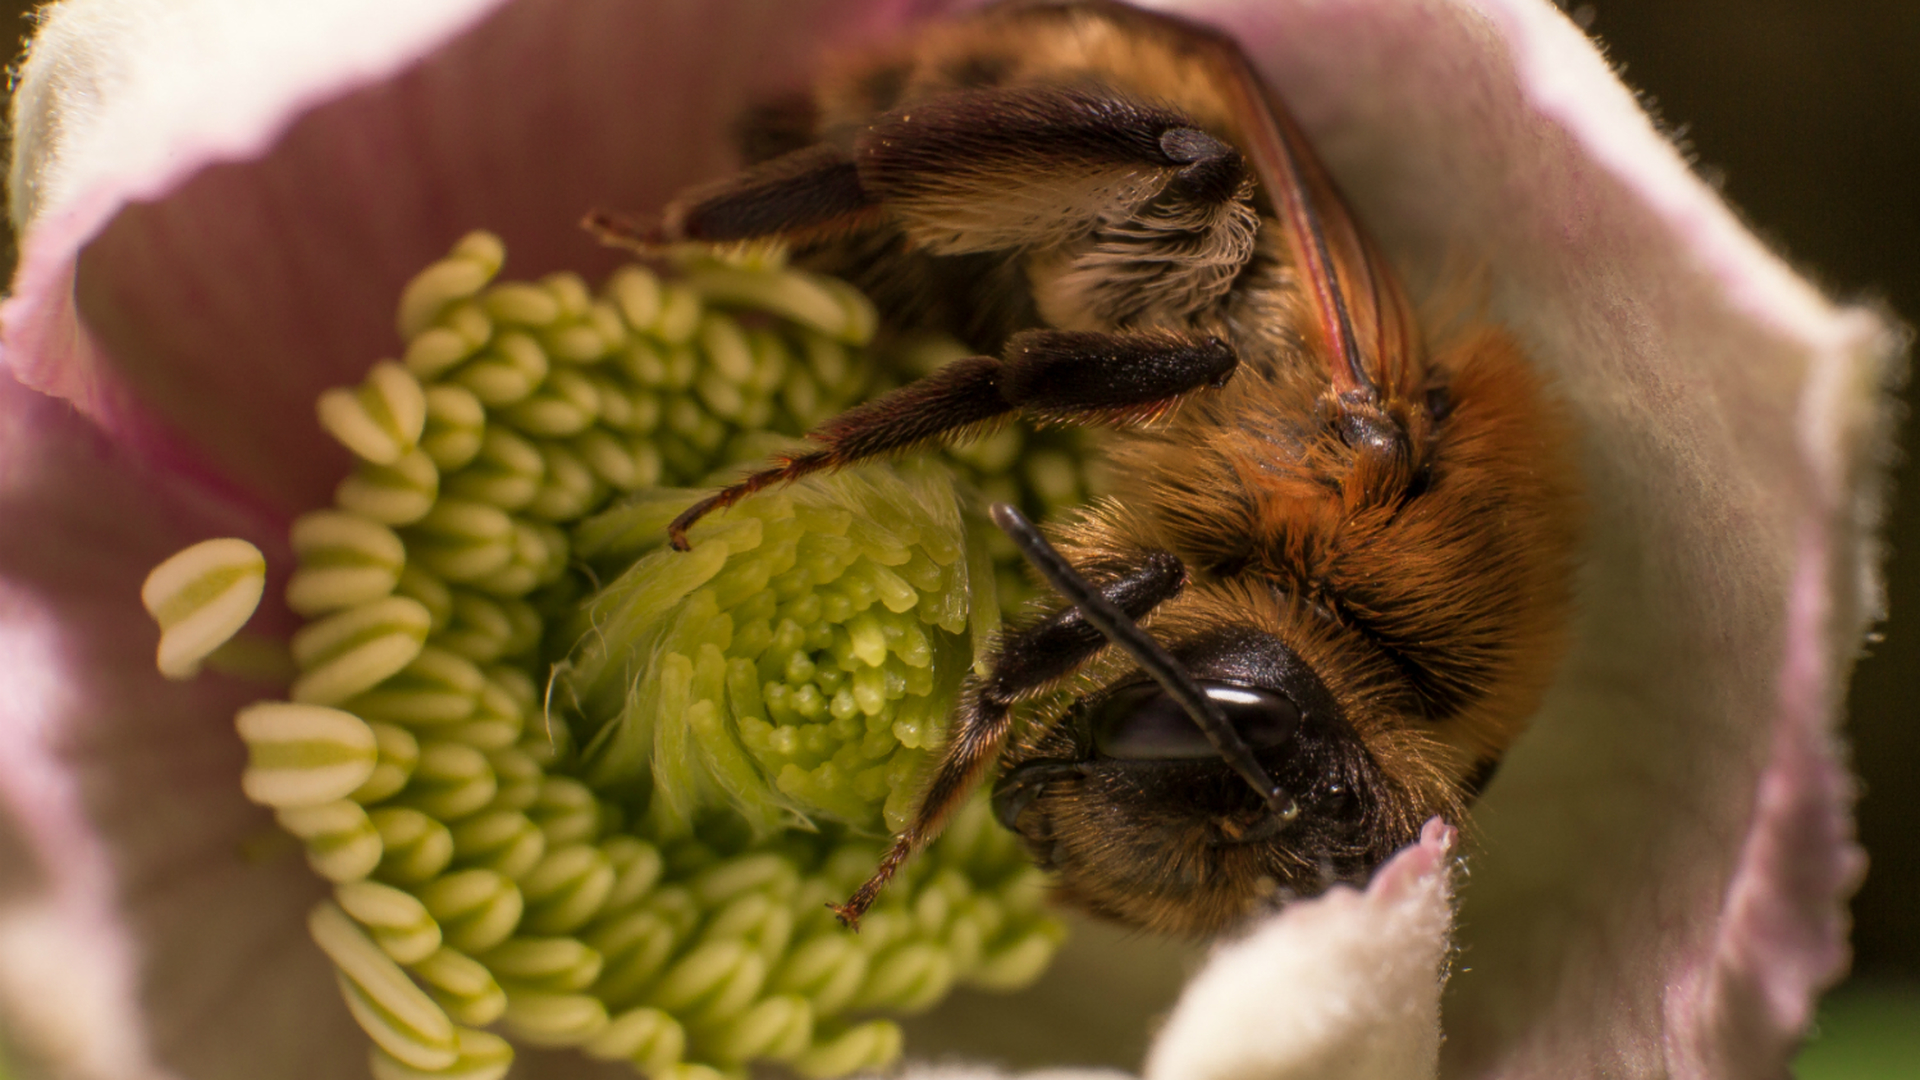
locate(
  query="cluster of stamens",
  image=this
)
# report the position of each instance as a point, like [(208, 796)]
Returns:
[(581, 790)]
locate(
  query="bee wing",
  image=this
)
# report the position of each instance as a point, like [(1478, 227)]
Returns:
[(1365, 323)]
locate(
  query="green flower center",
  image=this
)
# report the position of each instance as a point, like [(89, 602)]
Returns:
[(595, 792)]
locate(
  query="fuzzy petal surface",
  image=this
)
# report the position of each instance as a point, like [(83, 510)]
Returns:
[(1342, 987)]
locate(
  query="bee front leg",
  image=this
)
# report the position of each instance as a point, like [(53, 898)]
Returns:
[(1056, 376), (1024, 662)]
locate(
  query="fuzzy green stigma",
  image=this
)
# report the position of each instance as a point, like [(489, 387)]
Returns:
[(580, 789), (813, 640)]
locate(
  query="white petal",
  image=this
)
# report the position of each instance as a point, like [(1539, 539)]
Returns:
[(127, 95), (1342, 987)]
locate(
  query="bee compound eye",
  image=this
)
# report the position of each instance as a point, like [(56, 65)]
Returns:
[(1141, 723)]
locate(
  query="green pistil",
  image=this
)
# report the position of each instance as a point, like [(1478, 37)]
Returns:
[(813, 651), (595, 793)]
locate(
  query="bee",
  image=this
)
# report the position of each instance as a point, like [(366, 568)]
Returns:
[(1332, 576)]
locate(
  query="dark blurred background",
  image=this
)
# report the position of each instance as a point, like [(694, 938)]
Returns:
[(1806, 113)]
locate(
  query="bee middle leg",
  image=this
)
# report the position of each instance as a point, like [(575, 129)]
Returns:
[(1054, 376), (1023, 662)]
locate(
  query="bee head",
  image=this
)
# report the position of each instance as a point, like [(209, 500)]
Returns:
[(1216, 779), (1129, 804)]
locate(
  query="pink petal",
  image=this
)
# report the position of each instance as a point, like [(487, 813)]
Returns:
[(134, 925), (1741, 1010), (214, 300), (122, 103)]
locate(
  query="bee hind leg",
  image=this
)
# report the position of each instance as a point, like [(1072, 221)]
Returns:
[(1023, 662), (1053, 376)]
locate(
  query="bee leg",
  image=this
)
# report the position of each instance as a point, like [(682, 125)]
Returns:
[(992, 170), (811, 191), (1024, 661), (1122, 212), (1056, 376)]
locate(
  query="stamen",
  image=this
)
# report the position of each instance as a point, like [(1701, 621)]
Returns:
[(471, 265), (354, 650), (542, 1018), (482, 1055), (201, 597), (303, 755), (398, 922), (381, 419), (399, 752), (396, 494), (345, 560), (463, 986), (455, 426), (342, 844), (415, 847), (398, 1014), (651, 1039), (476, 909), (873, 1041)]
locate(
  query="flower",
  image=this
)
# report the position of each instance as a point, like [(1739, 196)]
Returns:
[(218, 199)]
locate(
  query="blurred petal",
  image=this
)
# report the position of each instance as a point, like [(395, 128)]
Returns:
[(135, 925), (121, 103)]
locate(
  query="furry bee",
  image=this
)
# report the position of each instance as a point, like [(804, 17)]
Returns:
[(1332, 577)]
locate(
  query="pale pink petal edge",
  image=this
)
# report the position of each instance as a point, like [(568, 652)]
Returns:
[(1782, 938)]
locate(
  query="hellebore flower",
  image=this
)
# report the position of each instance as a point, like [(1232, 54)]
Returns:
[(218, 200)]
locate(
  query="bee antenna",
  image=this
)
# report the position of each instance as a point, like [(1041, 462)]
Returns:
[(1106, 617)]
